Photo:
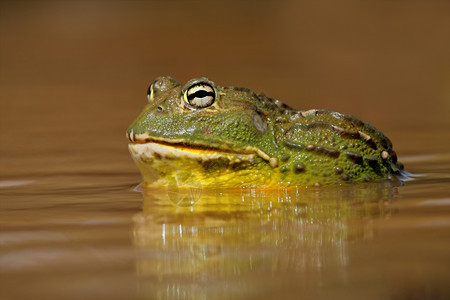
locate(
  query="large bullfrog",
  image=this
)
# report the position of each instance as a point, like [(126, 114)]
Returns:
[(204, 135)]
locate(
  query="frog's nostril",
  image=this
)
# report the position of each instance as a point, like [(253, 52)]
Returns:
[(160, 108)]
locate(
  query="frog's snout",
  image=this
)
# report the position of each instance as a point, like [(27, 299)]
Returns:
[(134, 137), (130, 136)]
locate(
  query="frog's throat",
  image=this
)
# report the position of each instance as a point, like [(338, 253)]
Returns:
[(180, 148), (165, 165)]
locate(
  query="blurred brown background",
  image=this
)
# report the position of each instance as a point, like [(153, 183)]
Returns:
[(74, 74)]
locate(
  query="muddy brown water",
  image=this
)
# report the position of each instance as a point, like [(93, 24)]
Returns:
[(73, 75)]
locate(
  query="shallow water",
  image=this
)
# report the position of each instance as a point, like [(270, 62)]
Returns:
[(75, 224)]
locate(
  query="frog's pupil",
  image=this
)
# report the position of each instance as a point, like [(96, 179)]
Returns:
[(200, 94)]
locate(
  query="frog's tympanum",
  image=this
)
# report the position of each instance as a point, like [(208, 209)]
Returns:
[(204, 135)]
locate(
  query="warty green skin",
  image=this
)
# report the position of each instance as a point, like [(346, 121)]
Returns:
[(292, 147)]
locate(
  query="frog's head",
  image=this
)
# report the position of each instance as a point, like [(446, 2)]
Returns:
[(203, 115), (200, 120)]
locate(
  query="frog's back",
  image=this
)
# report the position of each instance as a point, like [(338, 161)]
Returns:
[(327, 147)]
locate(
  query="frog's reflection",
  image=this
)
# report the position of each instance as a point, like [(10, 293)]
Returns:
[(197, 243)]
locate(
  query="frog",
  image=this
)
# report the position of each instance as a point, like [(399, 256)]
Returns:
[(204, 135)]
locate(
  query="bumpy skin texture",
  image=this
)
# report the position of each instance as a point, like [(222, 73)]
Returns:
[(247, 140)]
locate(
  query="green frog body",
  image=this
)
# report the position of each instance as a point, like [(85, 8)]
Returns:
[(208, 136)]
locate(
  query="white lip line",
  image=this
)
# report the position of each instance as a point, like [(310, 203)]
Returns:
[(185, 147), (135, 138), (179, 144), (141, 152)]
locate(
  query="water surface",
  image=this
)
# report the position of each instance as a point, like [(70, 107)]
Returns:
[(96, 235)]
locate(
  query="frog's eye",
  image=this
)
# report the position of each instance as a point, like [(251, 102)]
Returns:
[(199, 95), (150, 92), (160, 85)]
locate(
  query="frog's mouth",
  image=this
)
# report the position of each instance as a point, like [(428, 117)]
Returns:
[(175, 163), (144, 145), (153, 151)]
